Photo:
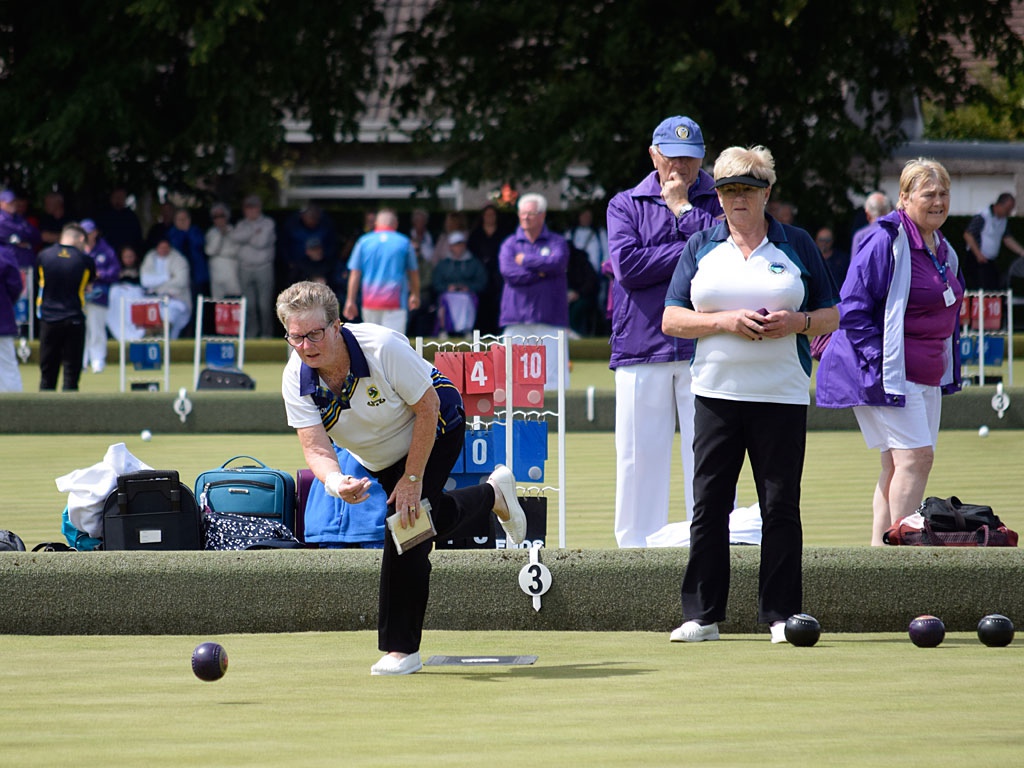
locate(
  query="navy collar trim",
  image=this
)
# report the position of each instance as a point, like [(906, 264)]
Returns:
[(309, 379)]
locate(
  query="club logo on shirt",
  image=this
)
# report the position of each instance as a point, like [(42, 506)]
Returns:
[(374, 394), (545, 251), (776, 268)]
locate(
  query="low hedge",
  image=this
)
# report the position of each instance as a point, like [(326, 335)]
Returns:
[(847, 589), (263, 413)]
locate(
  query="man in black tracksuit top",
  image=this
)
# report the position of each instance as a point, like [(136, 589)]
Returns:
[(64, 271)]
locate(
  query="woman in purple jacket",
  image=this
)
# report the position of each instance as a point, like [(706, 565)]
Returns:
[(897, 348)]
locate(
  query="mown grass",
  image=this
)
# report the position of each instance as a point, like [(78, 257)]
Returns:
[(839, 477), (602, 699)]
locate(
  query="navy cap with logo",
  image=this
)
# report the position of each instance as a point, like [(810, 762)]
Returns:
[(679, 137)]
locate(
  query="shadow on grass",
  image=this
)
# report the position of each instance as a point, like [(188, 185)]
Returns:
[(560, 672)]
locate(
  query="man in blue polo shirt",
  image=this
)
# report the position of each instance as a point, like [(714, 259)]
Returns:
[(383, 265)]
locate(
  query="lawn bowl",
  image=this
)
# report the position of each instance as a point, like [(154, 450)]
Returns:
[(802, 630), (995, 630), (209, 661), (927, 631)]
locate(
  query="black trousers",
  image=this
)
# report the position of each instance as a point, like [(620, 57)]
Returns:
[(61, 343), (774, 437), (405, 578)]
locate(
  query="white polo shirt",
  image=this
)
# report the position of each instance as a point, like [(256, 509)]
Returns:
[(735, 368), (386, 377)]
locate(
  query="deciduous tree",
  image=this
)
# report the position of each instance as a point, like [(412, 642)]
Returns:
[(524, 90)]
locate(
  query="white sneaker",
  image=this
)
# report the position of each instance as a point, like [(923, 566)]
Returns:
[(778, 632), (692, 632), (389, 665), (504, 483)]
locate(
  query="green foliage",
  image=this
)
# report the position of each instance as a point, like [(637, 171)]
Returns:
[(998, 118), (524, 90), (173, 93), (180, 92)]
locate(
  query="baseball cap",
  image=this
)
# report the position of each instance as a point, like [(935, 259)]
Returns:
[(456, 237), (88, 225), (679, 137), (6, 196)]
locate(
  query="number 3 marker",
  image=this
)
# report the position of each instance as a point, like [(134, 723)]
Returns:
[(535, 578)]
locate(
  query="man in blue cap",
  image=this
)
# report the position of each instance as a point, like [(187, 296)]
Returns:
[(648, 226)]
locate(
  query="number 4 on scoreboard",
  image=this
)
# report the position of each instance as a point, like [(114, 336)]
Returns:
[(479, 373)]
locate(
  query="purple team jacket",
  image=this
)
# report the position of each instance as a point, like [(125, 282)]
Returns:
[(645, 240), (863, 363), (536, 291)]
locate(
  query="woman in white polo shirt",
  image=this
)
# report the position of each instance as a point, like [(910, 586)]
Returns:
[(750, 291), (364, 387)]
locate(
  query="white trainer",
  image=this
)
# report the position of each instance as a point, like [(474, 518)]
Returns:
[(504, 483), (779, 632), (692, 632), (389, 665)]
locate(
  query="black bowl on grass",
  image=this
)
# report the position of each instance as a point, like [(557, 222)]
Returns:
[(995, 630), (802, 630)]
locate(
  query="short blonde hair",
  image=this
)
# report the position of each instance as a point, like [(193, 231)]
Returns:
[(305, 297), (746, 161), (916, 172)]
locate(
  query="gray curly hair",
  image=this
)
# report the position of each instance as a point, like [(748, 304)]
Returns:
[(305, 297)]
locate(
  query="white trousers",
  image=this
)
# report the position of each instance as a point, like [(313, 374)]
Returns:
[(648, 399), (95, 337), (395, 319), (10, 375)]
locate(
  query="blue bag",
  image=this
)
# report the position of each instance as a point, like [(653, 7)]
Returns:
[(257, 491)]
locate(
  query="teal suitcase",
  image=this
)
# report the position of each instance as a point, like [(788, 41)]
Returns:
[(255, 490)]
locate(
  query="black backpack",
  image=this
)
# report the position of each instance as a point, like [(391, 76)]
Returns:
[(952, 515), (11, 542)]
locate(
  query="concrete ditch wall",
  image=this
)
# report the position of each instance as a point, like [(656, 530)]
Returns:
[(847, 589)]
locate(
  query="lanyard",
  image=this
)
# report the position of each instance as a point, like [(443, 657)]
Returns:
[(940, 267)]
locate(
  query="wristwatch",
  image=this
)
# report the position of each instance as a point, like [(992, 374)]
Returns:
[(685, 209), (807, 322), (414, 478)]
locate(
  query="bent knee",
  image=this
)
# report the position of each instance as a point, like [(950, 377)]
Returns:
[(914, 459)]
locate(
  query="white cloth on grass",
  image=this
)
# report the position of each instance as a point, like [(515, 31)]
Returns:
[(744, 528)]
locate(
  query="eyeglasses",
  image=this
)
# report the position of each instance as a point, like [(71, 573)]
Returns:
[(313, 337)]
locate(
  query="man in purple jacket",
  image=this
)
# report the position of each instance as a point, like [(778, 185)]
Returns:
[(18, 238), (648, 226), (97, 296), (11, 286), (534, 262)]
